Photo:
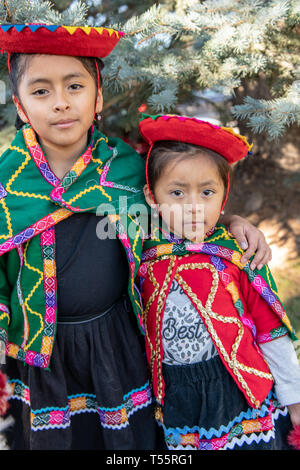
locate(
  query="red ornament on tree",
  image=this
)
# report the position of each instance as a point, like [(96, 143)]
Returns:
[(3, 394), (294, 438)]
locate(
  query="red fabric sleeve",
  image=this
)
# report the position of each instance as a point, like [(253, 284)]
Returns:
[(265, 319)]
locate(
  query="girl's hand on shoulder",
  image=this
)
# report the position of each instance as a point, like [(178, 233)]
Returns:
[(250, 239), (294, 411)]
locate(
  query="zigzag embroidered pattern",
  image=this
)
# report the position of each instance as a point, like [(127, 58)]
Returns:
[(243, 429), (20, 251), (60, 417), (52, 28)]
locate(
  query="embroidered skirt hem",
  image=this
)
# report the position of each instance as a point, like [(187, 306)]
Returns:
[(96, 394), (205, 410)]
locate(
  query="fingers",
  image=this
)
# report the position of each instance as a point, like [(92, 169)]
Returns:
[(261, 251), (249, 252), (252, 240), (240, 236), (262, 256)]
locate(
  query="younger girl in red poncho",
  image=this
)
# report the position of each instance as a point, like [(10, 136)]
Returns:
[(217, 337)]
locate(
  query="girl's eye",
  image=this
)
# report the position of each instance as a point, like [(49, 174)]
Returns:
[(40, 92), (177, 193), (208, 192), (76, 86)]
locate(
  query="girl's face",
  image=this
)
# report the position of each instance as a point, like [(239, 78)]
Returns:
[(58, 96), (190, 194)]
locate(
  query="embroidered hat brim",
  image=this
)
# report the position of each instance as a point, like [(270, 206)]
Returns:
[(80, 41), (222, 140)]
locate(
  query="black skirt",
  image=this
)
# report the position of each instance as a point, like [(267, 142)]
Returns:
[(96, 395), (205, 410)]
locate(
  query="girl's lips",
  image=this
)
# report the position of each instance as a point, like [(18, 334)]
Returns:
[(193, 224), (64, 124)]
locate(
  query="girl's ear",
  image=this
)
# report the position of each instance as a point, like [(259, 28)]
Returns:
[(148, 197), (99, 101), (20, 111)]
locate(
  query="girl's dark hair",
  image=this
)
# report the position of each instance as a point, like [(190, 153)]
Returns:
[(164, 152), (18, 65)]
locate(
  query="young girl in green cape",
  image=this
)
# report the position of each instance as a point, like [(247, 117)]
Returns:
[(70, 313), (214, 327)]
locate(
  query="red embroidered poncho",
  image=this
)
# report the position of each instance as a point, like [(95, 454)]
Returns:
[(238, 311)]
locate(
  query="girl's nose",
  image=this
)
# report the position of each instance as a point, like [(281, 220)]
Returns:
[(195, 204), (61, 103)]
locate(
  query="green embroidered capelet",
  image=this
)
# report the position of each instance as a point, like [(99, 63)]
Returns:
[(108, 178)]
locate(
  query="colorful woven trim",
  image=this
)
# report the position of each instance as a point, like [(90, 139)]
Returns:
[(47, 329), (59, 189), (233, 290), (3, 332), (133, 259), (3, 192), (38, 156), (4, 309), (60, 417), (50, 290), (41, 162), (71, 29), (246, 428), (35, 229)]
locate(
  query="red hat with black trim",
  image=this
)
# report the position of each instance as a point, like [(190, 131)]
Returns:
[(223, 140), (85, 41)]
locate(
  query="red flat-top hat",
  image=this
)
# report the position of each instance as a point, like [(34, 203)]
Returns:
[(222, 140), (77, 41)]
